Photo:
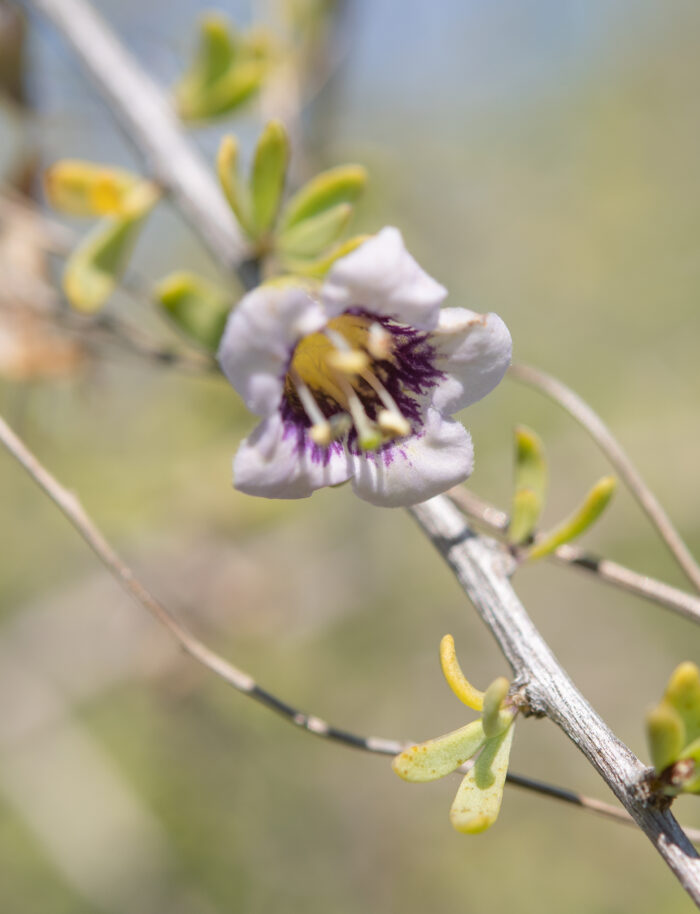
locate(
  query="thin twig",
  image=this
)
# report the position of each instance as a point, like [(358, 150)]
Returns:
[(583, 802), (136, 342), (72, 509), (76, 514), (482, 568), (496, 522), (600, 433)]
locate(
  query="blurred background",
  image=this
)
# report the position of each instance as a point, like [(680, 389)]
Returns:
[(542, 161)]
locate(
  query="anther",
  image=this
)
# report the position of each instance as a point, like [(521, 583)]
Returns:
[(390, 419), (352, 361), (321, 433), (393, 423), (379, 341), (344, 358)]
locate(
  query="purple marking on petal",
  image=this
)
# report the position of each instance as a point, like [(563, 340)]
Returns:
[(408, 375), (410, 372), (303, 445)]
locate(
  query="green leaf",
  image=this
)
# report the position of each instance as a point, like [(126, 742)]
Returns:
[(229, 92), (525, 513), (318, 267), (437, 757), (315, 234), (692, 751), (593, 506), (226, 71), (343, 184), (215, 55), (478, 800), (199, 308), (683, 693), (218, 44), (665, 735), (530, 485), (494, 718), (92, 270), (268, 175), (234, 187)]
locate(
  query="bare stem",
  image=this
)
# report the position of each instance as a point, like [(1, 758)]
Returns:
[(71, 507), (496, 522), (601, 434)]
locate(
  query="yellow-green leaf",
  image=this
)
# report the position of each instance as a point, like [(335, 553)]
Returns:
[(82, 188), (229, 92), (478, 800), (218, 45), (683, 693), (343, 184), (234, 187), (198, 307), (315, 234), (317, 268), (92, 270), (525, 512), (494, 718), (593, 506), (215, 55), (437, 757), (268, 175), (530, 485), (693, 752), (665, 735)]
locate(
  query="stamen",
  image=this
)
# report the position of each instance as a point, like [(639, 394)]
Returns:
[(379, 341), (344, 358), (320, 431), (330, 430), (393, 424), (352, 362), (390, 419), (368, 435)]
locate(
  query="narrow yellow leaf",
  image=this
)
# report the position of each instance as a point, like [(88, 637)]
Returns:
[(456, 679)]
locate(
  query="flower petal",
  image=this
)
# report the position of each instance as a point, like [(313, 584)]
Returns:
[(415, 468), (382, 277), (474, 351), (259, 338), (279, 461)]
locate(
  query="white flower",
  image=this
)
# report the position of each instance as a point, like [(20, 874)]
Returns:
[(358, 381)]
